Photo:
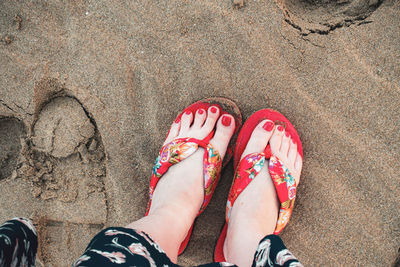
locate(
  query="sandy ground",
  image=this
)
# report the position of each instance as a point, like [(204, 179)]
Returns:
[(88, 90)]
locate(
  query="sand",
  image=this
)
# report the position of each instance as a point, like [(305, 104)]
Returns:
[(88, 90)]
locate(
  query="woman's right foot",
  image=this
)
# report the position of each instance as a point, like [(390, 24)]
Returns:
[(255, 212)]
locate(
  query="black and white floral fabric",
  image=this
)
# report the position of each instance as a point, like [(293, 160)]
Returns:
[(18, 243), (119, 246)]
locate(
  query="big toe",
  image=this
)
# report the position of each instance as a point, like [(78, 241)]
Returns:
[(223, 133), (173, 131), (259, 138)]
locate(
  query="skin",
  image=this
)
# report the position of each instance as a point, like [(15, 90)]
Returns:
[(176, 203)]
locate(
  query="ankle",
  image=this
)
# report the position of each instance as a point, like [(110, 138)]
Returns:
[(167, 227), (177, 218)]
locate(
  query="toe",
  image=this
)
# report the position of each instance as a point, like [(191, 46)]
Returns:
[(276, 139), (297, 168), (199, 118), (223, 133), (173, 131), (298, 163), (212, 116), (292, 152), (186, 121), (284, 150), (259, 138)]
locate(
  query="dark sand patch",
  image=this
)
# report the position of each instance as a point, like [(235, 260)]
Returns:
[(324, 16), (11, 132)]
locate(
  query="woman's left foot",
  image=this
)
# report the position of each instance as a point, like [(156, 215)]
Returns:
[(179, 194)]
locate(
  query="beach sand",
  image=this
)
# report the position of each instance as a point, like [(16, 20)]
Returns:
[(88, 90)]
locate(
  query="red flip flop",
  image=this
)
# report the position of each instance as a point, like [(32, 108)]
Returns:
[(181, 148), (248, 167)]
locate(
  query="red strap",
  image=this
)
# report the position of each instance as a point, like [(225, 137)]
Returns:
[(203, 143)]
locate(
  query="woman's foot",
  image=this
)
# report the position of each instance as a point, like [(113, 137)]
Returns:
[(180, 192), (255, 212)]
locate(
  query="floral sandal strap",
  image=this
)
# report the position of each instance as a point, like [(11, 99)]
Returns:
[(284, 182), (180, 149), (247, 170), (285, 186)]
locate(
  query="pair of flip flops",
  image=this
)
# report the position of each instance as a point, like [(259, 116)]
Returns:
[(246, 168)]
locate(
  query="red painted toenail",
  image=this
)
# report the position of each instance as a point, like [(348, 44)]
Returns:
[(268, 126), (178, 120), (188, 112), (280, 128), (226, 120), (287, 134), (214, 110), (201, 111)]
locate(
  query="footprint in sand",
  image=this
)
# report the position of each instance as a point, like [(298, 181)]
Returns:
[(67, 149), (65, 163)]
